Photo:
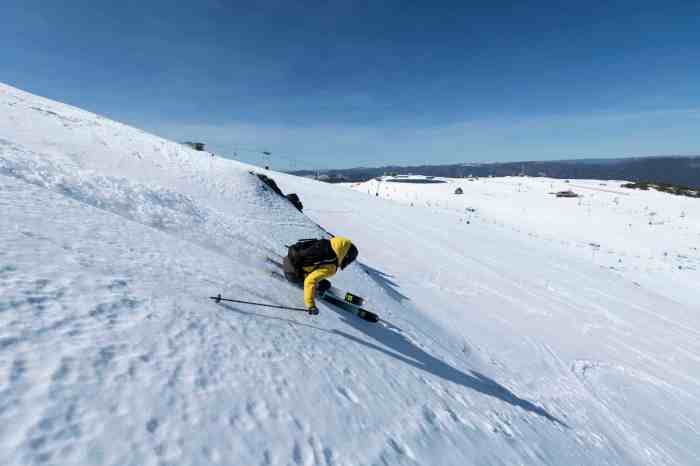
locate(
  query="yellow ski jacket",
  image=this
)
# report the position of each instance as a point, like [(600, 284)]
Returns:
[(316, 273)]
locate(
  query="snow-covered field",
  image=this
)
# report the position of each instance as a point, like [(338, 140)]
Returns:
[(517, 328), (644, 235)]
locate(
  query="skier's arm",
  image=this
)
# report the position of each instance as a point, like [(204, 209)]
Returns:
[(312, 280)]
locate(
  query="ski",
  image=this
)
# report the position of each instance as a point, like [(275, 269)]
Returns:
[(330, 297), (354, 299)]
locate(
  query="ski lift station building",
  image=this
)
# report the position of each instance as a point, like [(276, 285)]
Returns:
[(413, 179)]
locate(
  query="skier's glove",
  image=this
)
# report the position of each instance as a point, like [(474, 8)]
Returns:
[(313, 310)]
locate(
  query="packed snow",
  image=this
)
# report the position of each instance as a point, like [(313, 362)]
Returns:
[(516, 327)]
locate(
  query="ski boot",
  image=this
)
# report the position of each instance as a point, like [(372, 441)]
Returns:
[(323, 286)]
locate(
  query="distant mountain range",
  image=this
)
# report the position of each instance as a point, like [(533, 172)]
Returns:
[(676, 170)]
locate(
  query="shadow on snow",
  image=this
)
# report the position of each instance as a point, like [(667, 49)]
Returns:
[(385, 281), (394, 344), (399, 347)]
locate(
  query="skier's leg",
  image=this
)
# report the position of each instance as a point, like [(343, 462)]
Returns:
[(323, 286)]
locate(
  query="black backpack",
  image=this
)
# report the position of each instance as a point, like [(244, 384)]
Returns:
[(311, 252)]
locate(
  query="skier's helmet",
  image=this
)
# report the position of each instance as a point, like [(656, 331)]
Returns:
[(350, 256)]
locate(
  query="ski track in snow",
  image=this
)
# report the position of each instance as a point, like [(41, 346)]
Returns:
[(507, 340)]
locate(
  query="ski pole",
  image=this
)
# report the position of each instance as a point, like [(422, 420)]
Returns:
[(218, 299)]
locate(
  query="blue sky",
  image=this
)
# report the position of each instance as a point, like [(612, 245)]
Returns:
[(349, 83)]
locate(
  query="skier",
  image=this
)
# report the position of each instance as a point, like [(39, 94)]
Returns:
[(311, 261)]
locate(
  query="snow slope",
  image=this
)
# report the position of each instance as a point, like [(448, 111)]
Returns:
[(645, 235), (496, 346)]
